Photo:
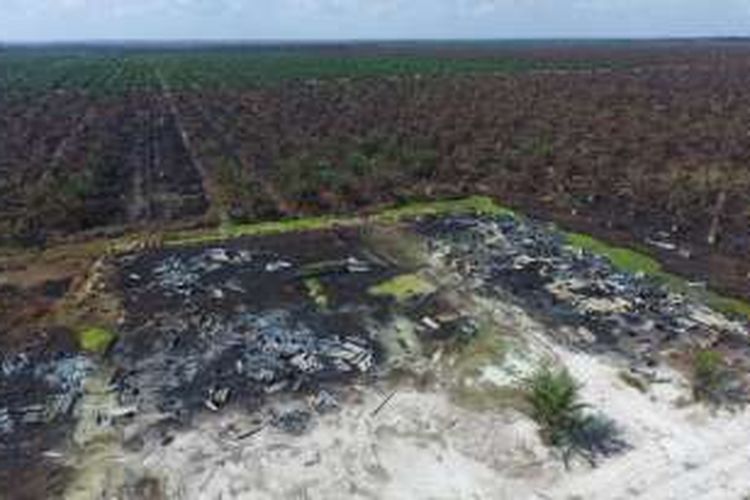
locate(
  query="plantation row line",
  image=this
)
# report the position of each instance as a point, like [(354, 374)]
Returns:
[(658, 153)]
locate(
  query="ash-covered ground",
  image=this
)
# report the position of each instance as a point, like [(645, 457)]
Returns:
[(209, 326), (373, 362), (39, 388), (594, 305)]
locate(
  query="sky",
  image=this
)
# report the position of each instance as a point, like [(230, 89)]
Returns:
[(66, 20)]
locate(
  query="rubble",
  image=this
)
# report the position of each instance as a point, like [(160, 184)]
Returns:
[(351, 265), (184, 276), (246, 356), (175, 275), (217, 398), (325, 402), (279, 265), (529, 262), (354, 265), (6, 423), (235, 325), (242, 329), (38, 390), (295, 422)]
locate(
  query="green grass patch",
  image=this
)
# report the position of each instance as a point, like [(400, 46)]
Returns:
[(488, 348), (715, 382), (231, 230), (96, 340), (403, 288), (317, 292), (286, 226), (728, 305), (485, 397), (633, 261), (624, 259)]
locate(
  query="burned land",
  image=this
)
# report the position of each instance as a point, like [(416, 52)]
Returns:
[(308, 349), (643, 143), (390, 271)]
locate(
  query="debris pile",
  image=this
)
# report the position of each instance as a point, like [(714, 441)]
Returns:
[(234, 325), (600, 307), (294, 422), (183, 276), (236, 276), (36, 391), (216, 360)]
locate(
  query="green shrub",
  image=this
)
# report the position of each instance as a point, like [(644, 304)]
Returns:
[(403, 288), (707, 368), (715, 382), (554, 401), (360, 164)]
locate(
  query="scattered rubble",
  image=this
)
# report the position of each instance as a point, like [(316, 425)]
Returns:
[(294, 422), (237, 324), (325, 402), (240, 357), (606, 309), (279, 265), (38, 393), (246, 325)]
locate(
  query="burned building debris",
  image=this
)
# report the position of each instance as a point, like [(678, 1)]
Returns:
[(39, 390), (273, 337), (235, 325), (593, 304), (238, 358)]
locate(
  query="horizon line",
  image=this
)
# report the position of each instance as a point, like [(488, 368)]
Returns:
[(327, 41)]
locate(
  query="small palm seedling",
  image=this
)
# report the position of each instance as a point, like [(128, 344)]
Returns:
[(554, 402), (553, 397)]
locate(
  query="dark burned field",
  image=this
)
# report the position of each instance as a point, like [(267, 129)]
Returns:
[(344, 360), (642, 143), (329, 272)]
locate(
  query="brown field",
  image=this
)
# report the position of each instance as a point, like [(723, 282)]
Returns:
[(635, 142)]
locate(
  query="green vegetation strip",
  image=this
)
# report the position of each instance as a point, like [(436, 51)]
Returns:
[(632, 261), (480, 205), (727, 305), (624, 259)]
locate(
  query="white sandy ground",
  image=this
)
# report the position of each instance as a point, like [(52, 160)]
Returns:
[(677, 454), (421, 446)]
